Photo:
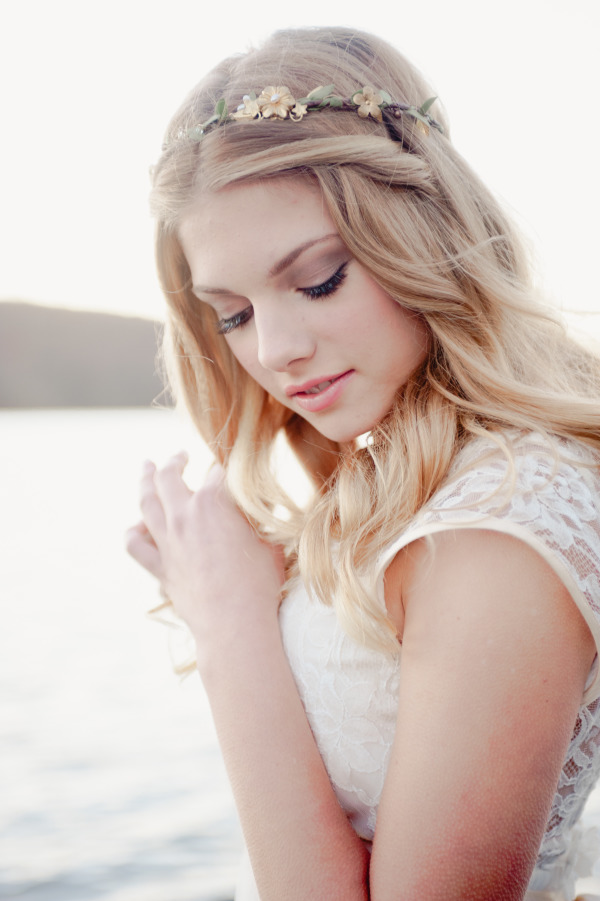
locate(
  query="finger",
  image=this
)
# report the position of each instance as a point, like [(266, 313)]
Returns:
[(150, 505), (215, 475), (169, 484), (141, 530), (140, 545)]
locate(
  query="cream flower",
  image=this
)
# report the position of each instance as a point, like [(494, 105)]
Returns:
[(275, 101), (298, 112), (368, 101), (249, 109)]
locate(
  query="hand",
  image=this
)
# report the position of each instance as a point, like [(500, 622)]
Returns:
[(225, 582), (209, 560)]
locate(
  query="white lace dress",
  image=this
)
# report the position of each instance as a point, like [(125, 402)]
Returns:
[(551, 502)]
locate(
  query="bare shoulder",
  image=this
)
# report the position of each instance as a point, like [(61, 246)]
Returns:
[(494, 588), (495, 656)]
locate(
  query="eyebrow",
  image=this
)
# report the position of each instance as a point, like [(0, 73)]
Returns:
[(279, 267)]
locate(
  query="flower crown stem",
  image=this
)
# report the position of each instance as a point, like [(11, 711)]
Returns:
[(278, 103)]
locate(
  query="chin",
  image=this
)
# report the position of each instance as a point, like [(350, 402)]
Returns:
[(359, 433)]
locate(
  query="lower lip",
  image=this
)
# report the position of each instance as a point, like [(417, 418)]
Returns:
[(313, 403)]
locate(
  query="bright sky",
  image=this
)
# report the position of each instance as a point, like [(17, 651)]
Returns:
[(87, 90)]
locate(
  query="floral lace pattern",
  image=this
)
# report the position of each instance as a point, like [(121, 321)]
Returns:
[(350, 695), (548, 499)]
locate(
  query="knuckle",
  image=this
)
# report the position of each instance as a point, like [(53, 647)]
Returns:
[(201, 496), (147, 499), (204, 501), (170, 468), (179, 522), (132, 542)]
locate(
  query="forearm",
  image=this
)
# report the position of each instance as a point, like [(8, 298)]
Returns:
[(300, 841), (225, 583)]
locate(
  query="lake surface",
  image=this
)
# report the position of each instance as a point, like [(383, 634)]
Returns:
[(111, 782)]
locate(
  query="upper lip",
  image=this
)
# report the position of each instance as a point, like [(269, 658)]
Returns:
[(290, 390)]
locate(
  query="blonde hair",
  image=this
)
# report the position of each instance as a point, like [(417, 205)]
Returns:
[(417, 218)]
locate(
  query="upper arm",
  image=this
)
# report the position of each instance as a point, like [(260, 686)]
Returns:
[(495, 656)]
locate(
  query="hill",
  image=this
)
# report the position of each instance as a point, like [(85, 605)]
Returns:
[(52, 357)]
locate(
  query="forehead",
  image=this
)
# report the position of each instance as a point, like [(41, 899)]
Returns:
[(263, 219)]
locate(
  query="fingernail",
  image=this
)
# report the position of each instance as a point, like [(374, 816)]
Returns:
[(148, 466)]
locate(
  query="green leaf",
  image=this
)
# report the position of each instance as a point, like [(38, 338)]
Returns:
[(416, 114), (321, 92), (252, 96), (425, 107), (336, 101), (196, 134), (385, 96), (221, 109)]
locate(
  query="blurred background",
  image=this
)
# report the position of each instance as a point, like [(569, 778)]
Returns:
[(111, 782)]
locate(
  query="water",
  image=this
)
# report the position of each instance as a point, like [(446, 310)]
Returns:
[(111, 782)]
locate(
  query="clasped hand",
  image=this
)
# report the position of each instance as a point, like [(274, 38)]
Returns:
[(209, 560)]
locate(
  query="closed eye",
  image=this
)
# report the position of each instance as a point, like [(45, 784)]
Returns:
[(328, 287), (227, 325), (325, 289)]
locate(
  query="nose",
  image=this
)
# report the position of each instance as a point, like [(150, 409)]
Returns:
[(283, 336)]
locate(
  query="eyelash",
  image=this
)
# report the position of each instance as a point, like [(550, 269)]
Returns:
[(328, 287), (227, 325), (224, 326)]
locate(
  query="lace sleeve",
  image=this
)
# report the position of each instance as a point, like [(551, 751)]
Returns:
[(546, 493)]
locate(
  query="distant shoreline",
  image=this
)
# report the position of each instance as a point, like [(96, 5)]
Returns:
[(52, 357), (55, 358)]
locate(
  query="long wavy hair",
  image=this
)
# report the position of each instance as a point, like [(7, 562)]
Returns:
[(418, 219)]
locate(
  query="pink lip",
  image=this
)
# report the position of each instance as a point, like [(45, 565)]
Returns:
[(306, 386), (315, 402)]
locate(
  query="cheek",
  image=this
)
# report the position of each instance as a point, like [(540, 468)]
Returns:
[(409, 330), (404, 345), (242, 349), (380, 327), (421, 337), (245, 351)]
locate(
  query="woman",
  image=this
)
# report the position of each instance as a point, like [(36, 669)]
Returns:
[(418, 717)]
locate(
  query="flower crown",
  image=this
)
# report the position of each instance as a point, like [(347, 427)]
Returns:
[(278, 103)]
